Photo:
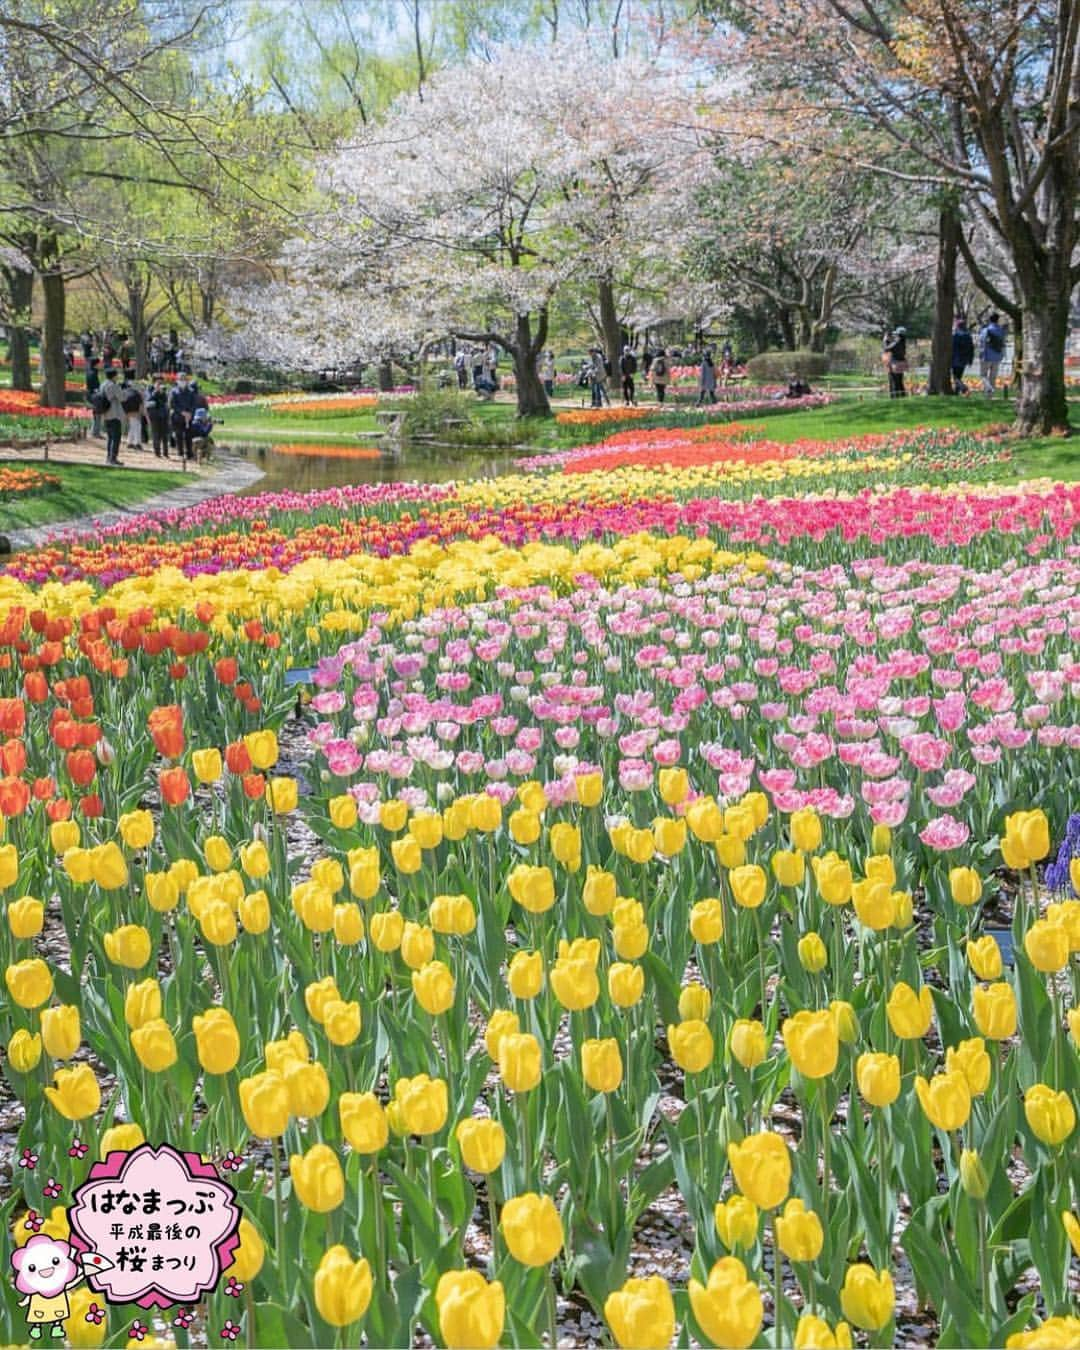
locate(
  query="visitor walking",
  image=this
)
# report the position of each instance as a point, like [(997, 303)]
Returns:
[(547, 372), (109, 401), (157, 413), (707, 378), (628, 369), (660, 374), (461, 368), (93, 384), (598, 379), (895, 356), (963, 353), (181, 410), (991, 352), (131, 400)]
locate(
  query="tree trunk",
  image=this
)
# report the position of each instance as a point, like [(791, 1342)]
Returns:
[(386, 377), (137, 325), (53, 369), (820, 326), (1043, 406), (940, 379), (532, 400), (20, 293), (787, 328), (609, 325)]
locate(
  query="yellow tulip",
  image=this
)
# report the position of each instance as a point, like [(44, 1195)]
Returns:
[(641, 1314), (342, 1287), (970, 1059), (75, 1093), (317, 1179), (945, 1100), (363, 1121), (422, 1102), (265, 1104), (532, 1229), (1050, 1115), (707, 921), (812, 1043), (761, 1165), (878, 1076), (728, 1308), (24, 1051), (691, 1045), (799, 1232), (471, 1311), (525, 974), (29, 982), (601, 1064), (867, 1297), (736, 1220), (984, 957), (747, 1042), (520, 1061), (61, 1031), (910, 1014), (748, 885), (482, 1142), (433, 987), (994, 1009), (155, 1046)]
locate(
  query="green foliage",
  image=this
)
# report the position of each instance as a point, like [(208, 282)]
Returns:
[(773, 366)]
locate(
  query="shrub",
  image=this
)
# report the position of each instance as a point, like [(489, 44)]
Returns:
[(779, 365)]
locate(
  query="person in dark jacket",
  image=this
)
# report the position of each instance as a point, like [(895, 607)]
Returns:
[(157, 413), (963, 353), (182, 407), (628, 369), (895, 352), (93, 384)]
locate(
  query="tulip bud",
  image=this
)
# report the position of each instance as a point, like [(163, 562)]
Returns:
[(973, 1176), (812, 954)]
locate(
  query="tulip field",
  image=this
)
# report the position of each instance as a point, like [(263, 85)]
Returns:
[(631, 901)]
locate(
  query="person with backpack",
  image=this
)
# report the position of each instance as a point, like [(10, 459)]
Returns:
[(157, 413), (107, 401), (963, 353), (991, 352), (628, 369), (131, 400), (598, 379), (93, 384), (182, 407), (660, 374), (894, 354)]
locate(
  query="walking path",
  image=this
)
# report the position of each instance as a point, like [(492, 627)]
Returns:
[(228, 473)]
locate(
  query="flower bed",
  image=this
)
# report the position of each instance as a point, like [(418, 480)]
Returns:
[(644, 932), (24, 403), (15, 483)]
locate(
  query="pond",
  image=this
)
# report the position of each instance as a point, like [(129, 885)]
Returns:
[(304, 469)]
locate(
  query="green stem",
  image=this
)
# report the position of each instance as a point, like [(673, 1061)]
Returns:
[(493, 1222), (279, 1217), (778, 1282), (552, 1312), (613, 1182), (380, 1223), (521, 1102), (761, 958), (984, 1263), (884, 1172), (825, 1133)]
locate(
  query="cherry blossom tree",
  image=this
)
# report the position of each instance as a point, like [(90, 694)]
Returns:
[(464, 210)]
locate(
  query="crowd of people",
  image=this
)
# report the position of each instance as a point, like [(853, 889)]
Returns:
[(655, 367), (176, 417), (164, 354), (989, 342)]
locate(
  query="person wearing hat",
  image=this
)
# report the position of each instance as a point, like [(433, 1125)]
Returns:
[(895, 356)]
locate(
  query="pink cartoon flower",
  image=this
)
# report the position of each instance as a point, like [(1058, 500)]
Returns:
[(184, 1318), (138, 1330), (95, 1314), (230, 1331), (234, 1288), (78, 1149), (52, 1189), (29, 1159)]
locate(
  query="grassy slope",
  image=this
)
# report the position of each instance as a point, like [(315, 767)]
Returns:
[(85, 489)]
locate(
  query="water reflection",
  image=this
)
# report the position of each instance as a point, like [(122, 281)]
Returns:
[(426, 464)]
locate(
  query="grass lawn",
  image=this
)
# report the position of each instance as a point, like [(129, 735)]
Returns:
[(85, 490)]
